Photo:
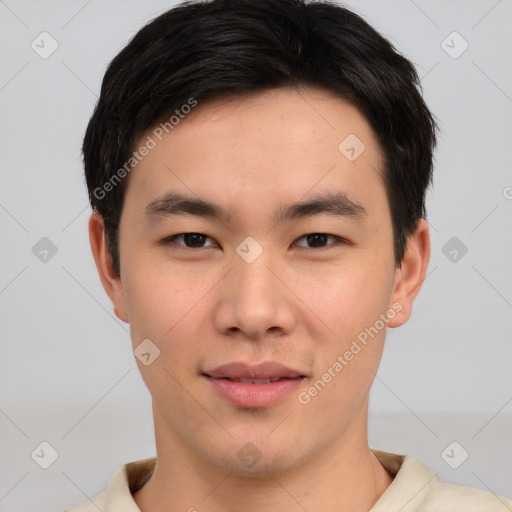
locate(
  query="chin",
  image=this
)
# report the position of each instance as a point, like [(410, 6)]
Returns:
[(252, 462)]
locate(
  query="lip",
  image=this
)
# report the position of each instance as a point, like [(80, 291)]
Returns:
[(240, 370), (254, 395)]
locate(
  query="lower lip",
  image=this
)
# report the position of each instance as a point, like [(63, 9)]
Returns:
[(250, 395)]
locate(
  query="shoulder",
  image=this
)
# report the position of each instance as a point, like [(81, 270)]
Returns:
[(445, 496), (415, 488), (126, 479), (95, 505)]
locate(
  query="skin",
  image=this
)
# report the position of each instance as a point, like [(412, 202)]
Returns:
[(297, 304)]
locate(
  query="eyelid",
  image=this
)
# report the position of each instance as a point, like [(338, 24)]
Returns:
[(337, 240)]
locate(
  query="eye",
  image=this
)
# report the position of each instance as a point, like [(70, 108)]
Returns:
[(190, 240), (318, 240), (199, 240)]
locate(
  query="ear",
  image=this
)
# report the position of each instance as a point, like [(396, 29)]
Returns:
[(411, 274), (109, 279)]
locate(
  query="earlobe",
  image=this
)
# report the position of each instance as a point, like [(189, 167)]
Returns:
[(109, 279), (411, 274)]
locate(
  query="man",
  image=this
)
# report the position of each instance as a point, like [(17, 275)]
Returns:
[(258, 171)]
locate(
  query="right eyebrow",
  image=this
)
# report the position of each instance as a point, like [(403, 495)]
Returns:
[(179, 204)]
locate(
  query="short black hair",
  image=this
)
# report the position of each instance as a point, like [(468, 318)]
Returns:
[(206, 50)]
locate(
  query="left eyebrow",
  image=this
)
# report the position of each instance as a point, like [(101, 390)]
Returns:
[(338, 204)]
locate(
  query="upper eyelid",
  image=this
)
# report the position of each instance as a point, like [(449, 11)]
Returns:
[(335, 237), (172, 237)]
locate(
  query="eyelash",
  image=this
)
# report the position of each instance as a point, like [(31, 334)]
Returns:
[(337, 240)]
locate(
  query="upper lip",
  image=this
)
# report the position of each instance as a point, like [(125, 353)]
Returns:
[(240, 370)]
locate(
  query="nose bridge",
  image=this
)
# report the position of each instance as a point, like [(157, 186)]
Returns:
[(254, 276), (254, 301), (255, 284)]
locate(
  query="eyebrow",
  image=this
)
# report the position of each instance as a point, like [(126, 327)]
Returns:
[(337, 204)]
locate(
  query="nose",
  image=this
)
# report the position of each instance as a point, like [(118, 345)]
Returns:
[(254, 300)]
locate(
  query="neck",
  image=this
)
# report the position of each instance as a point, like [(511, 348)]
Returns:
[(346, 475)]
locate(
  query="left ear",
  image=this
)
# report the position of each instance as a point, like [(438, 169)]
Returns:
[(411, 274)]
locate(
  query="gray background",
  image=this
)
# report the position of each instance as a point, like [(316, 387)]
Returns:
[(67, 373)]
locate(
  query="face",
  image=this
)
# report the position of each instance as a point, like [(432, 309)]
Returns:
[(250, 278)]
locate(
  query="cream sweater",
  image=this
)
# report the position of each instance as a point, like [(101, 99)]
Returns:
[(415, 488)]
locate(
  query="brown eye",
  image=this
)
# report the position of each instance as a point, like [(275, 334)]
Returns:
[(318, 240), (190, 240)]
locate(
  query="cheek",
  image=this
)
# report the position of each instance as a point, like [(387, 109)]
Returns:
[(353, 303), (166, 304), (155, 300), (352, 295), (351, 355), (163, 308)]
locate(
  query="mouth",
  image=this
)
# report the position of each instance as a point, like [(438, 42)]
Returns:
[(268, 371), (256, 386), (257, 381)]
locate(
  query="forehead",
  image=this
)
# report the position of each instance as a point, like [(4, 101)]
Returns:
[(276, 145)]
